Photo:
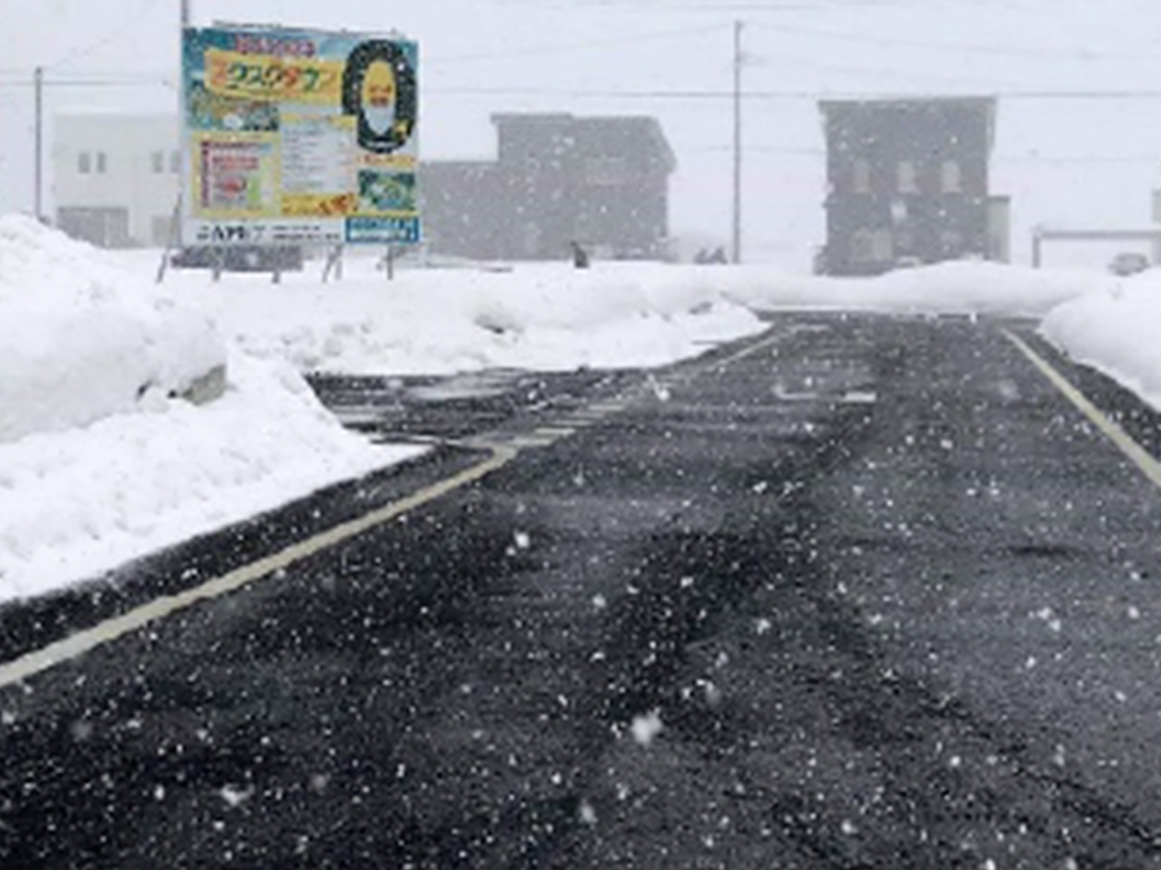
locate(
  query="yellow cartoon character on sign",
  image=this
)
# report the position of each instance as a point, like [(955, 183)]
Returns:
[(379, 98), (379, 90)]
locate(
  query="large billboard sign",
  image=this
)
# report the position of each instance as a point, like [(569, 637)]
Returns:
[(298, 137)]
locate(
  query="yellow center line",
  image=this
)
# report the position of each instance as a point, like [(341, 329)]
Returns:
[(83, 641), (1140, 457)]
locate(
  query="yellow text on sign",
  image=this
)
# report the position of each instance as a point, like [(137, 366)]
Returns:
[(274, 79), (318, 204)]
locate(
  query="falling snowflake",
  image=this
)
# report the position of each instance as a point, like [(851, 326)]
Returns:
[(235, 796), (587, 814), (646, 727)]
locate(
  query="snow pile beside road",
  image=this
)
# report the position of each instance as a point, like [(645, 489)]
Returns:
[(1115, 331), (552, 317), (81, 338), (534, 316), (947, 288), (75, 503), (98, 464)]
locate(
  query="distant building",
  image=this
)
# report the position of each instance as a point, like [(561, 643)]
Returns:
[(908, 183), (116, 177), (601, 181)]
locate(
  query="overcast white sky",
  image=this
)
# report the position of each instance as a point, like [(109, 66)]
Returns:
[(1063, 160)]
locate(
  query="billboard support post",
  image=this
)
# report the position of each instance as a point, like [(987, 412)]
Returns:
[(334, 263)]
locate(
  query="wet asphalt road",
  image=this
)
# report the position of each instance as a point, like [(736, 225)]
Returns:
[(870, 595)]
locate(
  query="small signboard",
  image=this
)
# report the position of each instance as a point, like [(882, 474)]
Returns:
[(298, 137)]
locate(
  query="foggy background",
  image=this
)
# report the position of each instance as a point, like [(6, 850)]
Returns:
[(1065, 158)]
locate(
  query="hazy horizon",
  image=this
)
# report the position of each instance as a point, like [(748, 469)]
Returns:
[(1062, 158)]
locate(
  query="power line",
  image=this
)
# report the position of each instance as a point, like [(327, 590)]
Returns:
[(797, 61), (91, 83), (962, 47), (95, 79), (532, 51), (119, 32), (1027, 157), (146, 79), (731, 7), (810, 96)]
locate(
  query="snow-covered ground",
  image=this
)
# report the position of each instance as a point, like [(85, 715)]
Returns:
[(100, 462)]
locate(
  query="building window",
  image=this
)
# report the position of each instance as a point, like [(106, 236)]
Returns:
[(908, 178), (175, 162), (862, 246), (157, 160), (951, 244), (950, 177), (607, 171), (102, 163), (861, 176), (882, 247), (872, 246), (84, 163)]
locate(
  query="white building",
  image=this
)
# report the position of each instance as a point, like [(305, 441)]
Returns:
[(116, 177)]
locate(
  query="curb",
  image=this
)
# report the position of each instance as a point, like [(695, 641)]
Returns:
[(32, 623)]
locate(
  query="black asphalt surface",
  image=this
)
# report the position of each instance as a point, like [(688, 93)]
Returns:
[(870, 595)]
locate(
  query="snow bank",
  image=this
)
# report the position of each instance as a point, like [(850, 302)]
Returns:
[(78, 502), (98, 463), (1115, 331), (552, 317), (81, 338), (535, 316), (947, 288)]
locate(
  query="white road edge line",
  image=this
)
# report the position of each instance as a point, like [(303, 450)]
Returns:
[(602, 409), (748, 351), (77, 644), (555, 431), (1149, 466)]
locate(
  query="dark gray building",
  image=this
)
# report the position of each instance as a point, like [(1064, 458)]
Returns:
[(601, 181), (908, 183)]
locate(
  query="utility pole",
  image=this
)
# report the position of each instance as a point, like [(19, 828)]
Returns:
[(736, 245), (38, 173), (185, 14)]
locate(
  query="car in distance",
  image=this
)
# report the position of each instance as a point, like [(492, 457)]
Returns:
[(1128, 263)]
